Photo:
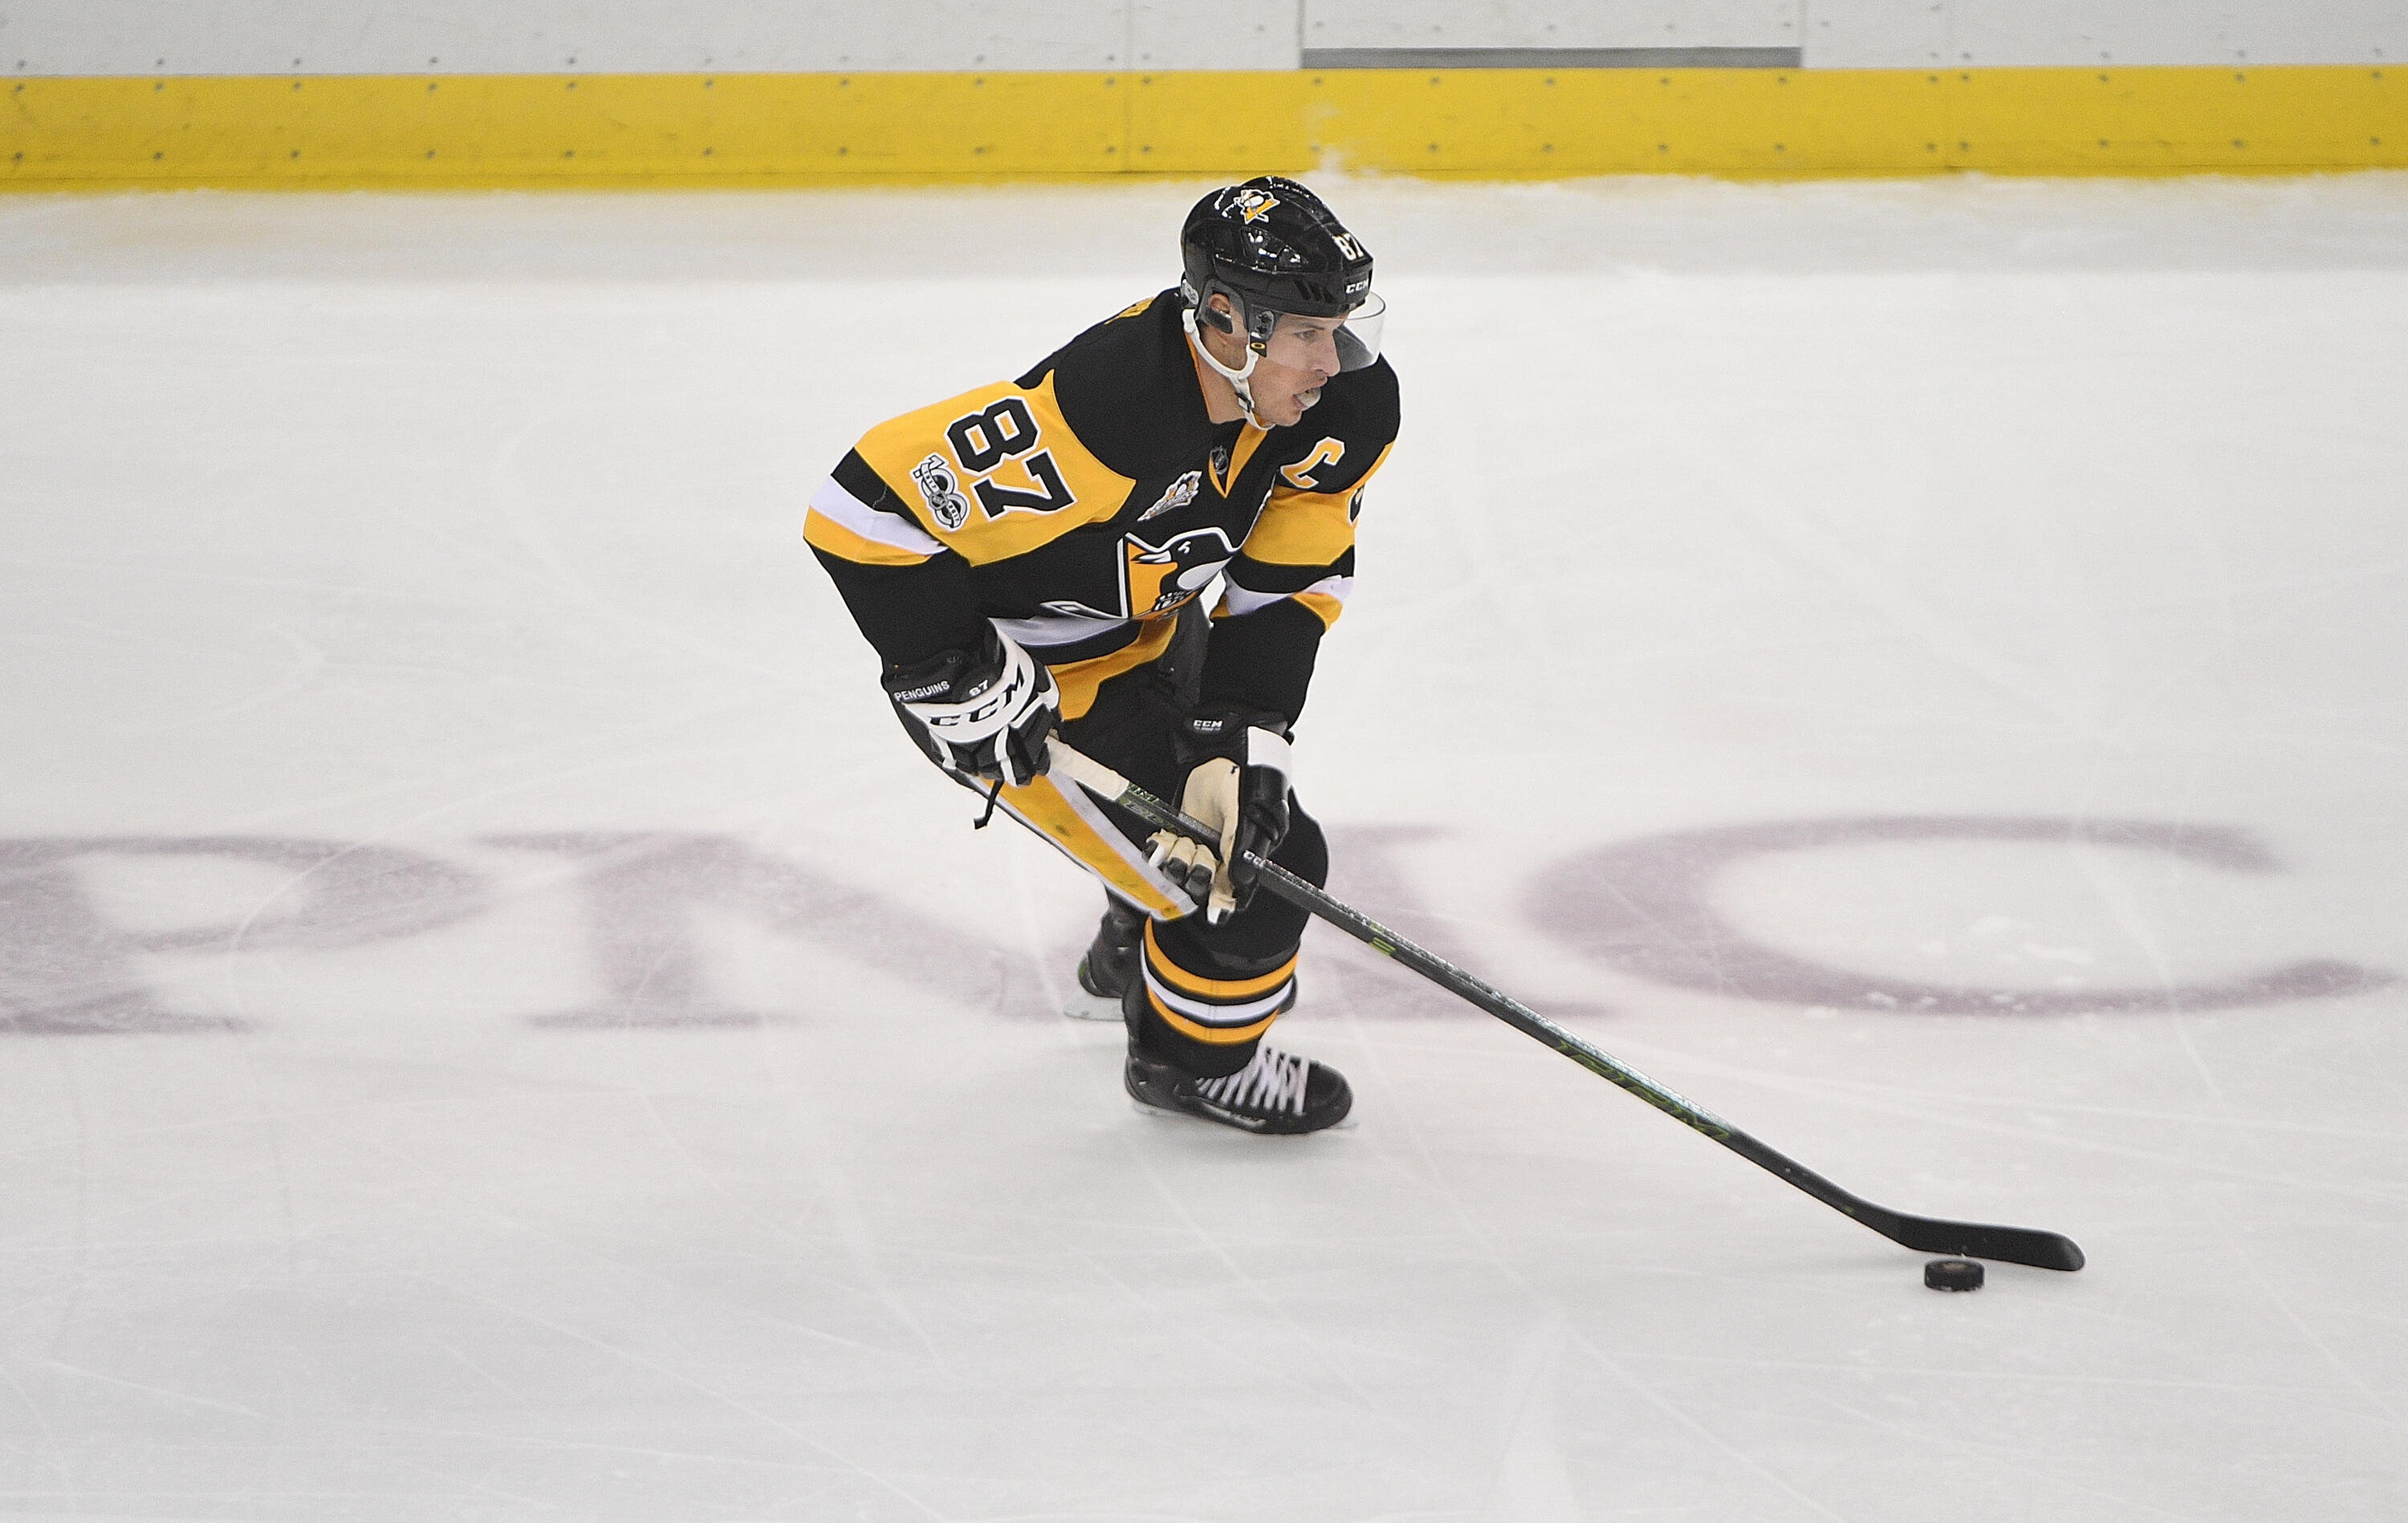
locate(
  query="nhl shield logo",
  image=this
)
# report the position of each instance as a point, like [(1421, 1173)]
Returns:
[(942, 494), (1219, 460)]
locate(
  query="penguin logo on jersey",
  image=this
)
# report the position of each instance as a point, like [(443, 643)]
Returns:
[(1156, 578), (941, 492)]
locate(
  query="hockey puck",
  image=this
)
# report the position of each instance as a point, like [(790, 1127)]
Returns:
[(1953, 1274)]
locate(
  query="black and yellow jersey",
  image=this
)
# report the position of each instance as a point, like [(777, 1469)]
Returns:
[(1081, 505)]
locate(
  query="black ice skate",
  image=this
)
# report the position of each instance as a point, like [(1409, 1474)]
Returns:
[(1278, 1093), (1110, 964)]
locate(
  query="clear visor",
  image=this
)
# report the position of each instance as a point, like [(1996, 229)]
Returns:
[(1347, 343)]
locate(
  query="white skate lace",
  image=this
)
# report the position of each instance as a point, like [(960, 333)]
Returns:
[(1274, 1081)]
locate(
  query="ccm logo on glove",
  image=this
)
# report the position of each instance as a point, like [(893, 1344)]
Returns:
[(985, 713), (1238, 763)]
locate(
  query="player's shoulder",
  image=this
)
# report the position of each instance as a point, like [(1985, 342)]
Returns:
[(915, 432), (1127, 389), (1347, 432), (1136, 338), (1368, 402)]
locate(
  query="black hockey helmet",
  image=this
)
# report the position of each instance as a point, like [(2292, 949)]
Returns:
[(1273, 247)]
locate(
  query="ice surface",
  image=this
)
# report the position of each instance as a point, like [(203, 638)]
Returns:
[(495, 1024)]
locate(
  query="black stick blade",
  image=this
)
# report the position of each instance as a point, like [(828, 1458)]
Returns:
[(1973, 1240), (1964, 1239)]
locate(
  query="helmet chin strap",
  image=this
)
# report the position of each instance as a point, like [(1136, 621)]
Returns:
[(1237, 378)]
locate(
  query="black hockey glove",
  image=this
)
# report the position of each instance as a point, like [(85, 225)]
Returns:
[(1237, 761), (986, 714)]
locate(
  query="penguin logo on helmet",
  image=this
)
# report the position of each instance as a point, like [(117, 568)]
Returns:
[(1254, 205)]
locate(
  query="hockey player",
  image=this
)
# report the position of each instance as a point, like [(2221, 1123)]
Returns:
[(1026, 559)]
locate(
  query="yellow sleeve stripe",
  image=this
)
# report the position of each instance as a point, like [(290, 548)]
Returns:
[(1327, 598), (822, 533), (1301, 529), (1308, 528), (1325, 607)]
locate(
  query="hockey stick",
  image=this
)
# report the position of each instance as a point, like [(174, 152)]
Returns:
[(1925, 1234)]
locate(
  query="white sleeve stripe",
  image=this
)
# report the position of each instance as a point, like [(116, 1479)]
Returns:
[(1242, 600), (833, 502)]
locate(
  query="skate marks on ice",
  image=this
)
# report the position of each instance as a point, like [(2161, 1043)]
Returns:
[(643, 891), (80, 937), (1367, 872), (1647, 907)]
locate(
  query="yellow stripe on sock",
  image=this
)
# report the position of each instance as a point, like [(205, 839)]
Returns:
[(1230, 990), (1226, 1036)]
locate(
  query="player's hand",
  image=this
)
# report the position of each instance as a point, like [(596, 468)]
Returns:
[(985, 713), (1237, 786)]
